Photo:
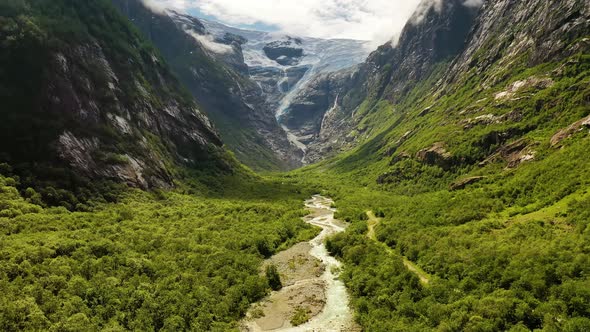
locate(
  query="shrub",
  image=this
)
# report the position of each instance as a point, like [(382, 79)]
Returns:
[(300, 316), (273, 277)]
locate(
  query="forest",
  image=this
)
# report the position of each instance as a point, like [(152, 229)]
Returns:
[(165, 261)]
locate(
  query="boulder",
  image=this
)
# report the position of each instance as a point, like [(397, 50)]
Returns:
[(538, 83), (396, 159), (514, 153)]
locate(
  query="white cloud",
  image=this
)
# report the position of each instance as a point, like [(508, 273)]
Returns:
[(473, 3), (157, 6), (423, 8), (209, 43), (376, 20)]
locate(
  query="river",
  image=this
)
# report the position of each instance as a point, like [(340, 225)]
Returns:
[(336, 315)]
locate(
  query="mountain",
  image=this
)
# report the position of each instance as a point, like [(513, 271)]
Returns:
[(455, 158), (86, 98), (214, 71), (336, 108), (284, 66), (330, 109)]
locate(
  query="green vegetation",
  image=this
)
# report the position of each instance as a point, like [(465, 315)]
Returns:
[(508, 252), (273, 277), (301, 316), (152, 261), (439, 251)]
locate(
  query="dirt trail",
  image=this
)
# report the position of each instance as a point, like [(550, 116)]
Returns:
[(310, 277), (372, 223)]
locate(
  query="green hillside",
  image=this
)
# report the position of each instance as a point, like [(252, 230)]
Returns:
[(482, 186)]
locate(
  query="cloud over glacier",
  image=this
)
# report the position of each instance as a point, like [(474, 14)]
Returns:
[(376, 20)]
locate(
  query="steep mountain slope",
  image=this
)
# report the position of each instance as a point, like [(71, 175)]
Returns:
[(85, 97), (214, 71), (333, 108), (501, 85), (475, 159)]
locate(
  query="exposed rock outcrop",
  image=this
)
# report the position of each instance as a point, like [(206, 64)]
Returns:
[(531, 82), (286, 52), (569, 131), (513, 153), (436, 155), (461, 184)]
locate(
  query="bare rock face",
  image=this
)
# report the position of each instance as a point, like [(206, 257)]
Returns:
[(513, 154), (177, 123), (461, 184), (235, 58), (321, 114), (540, 30), (535, 82), (569, 131), (103, 113), (285, 52)]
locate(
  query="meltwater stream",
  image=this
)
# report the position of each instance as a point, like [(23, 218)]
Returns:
[(335, 315)]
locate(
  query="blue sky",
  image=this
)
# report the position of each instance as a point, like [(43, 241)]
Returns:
[(258, 26)]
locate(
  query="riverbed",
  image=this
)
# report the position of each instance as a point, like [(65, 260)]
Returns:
[(316, 285)]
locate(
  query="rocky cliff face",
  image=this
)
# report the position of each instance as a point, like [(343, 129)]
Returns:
[(286, 52), (537, 31), (85, 95), (212, 67)]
